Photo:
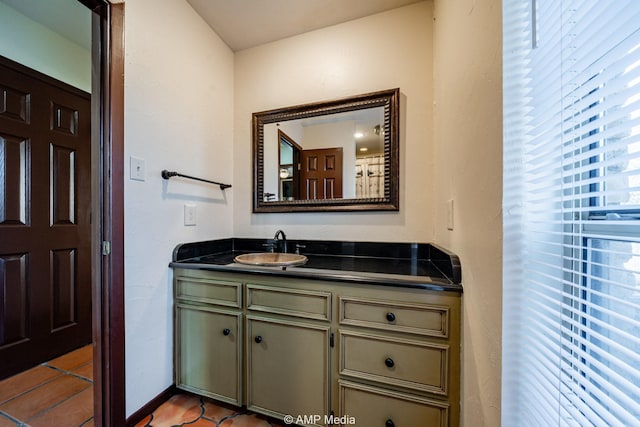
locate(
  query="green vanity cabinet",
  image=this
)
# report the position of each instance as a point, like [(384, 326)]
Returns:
[(288, 349), (208, 338), (208, 352), (399, 358), (354, 353), (287, 367)]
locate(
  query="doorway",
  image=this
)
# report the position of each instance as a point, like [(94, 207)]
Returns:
[(45, 230), (107, 222)]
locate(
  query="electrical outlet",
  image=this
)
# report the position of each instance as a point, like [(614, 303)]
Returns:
[(189, 214), (136, 171)]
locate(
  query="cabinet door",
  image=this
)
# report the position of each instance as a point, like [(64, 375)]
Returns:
[(208, 352), (287, 368)]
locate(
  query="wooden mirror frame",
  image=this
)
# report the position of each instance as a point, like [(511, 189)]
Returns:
[(389, 99)]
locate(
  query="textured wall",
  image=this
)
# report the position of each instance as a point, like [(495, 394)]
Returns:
[(468, 140), (178, 116), (450, 151), (383, 51)]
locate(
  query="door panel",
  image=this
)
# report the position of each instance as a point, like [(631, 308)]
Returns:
[(13, 286), (208, 352), (291, 356), (45, 264), (64, 287), (62, 190), (321, 173), (13, 160)]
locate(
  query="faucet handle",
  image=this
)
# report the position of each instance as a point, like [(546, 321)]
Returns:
[(298, 247)]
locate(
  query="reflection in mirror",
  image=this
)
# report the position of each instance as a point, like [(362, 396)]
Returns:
[(336, 155), (288, 155)]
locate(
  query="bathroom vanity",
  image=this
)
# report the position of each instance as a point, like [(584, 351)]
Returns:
[(365, 334)]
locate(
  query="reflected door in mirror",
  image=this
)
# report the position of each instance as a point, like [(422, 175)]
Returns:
[(321, 173), (370, 176), (289, 167)]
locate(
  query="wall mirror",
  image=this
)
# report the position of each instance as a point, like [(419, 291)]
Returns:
[(338, 155)]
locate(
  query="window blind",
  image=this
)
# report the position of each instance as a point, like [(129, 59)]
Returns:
[(571, 252)]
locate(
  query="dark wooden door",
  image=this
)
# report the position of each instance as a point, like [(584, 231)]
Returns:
[(45, 185), (321, 173)]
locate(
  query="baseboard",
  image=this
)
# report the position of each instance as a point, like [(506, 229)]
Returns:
[(151, 406)]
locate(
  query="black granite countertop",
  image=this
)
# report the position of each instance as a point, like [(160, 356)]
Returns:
[(416, 265)]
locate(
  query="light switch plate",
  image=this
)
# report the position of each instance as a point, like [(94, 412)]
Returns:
[(189, 214), (136, 171)]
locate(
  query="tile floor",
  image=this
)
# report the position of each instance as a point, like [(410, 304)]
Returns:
[(190, 410), (58, 393)]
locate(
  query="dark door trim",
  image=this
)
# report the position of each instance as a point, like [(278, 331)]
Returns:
[(108, 208)]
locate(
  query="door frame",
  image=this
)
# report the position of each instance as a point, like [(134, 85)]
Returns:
[(296, 163), (107, 205)]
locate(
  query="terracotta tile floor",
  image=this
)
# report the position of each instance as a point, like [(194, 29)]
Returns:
[(58, 393), (189, 410)]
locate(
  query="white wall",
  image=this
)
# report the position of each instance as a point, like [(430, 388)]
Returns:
[(453, 152), (468, 169), (383, 51), (178, 116), (25, 41)]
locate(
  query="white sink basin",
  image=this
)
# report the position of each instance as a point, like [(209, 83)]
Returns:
[(273, 259)]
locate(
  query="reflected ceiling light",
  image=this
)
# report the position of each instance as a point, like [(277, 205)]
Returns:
[(358, 135), (364, 149)]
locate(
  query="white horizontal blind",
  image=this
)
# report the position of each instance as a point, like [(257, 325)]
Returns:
[(571, 321)]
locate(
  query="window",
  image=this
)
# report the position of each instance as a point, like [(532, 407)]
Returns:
[(571, 300)]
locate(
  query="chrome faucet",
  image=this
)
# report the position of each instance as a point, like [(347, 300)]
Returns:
[(280, 233)]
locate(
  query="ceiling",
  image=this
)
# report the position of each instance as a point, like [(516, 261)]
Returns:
[(240, 23), (247, 23)]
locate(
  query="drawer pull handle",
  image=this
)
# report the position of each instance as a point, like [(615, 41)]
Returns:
[(226, 331), (391, 317), (389, 423), (389, 362), (258, 339)]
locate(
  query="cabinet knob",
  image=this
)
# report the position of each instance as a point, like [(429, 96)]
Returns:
[(389, 362), (391, 317), (389, 423), (258, 339), (226, 331)]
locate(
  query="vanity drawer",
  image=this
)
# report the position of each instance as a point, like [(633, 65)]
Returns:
[(209, 291), (414, 318), (290, 302), (372, 406), (415, 365)]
